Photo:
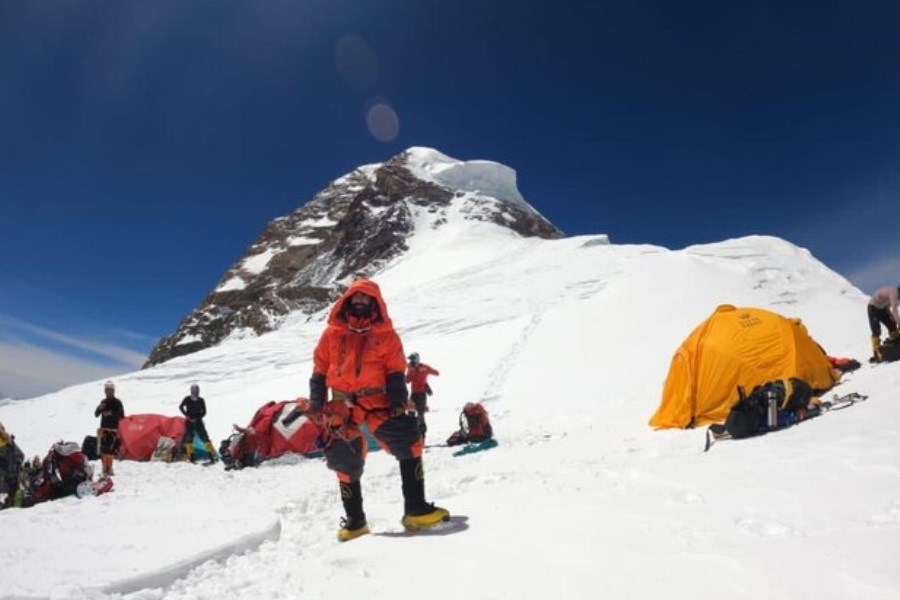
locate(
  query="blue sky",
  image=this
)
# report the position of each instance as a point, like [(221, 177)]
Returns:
[(146, 144)]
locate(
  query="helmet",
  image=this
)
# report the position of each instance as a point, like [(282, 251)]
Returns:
[(413, 358), (195, 388), (109, 385)]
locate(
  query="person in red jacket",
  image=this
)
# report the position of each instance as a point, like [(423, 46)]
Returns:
[(360, 359), (417, 374)]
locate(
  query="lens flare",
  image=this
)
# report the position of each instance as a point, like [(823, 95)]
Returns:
[(383, 122), (356, 63)]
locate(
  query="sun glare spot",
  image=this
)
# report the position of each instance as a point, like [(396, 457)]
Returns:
[(356, 63), (383, 122)]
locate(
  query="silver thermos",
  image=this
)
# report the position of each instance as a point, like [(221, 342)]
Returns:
[(772, 413)]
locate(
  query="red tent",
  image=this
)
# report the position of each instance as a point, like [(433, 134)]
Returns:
[(273, 438), (138, 434)]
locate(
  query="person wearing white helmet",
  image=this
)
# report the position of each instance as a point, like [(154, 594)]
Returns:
[(417, 374), (193, 407), (111, 411)]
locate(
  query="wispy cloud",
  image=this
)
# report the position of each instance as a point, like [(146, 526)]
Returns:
[(27, 371), (877, 273), (100, 348), (850, 237), (36, 360)]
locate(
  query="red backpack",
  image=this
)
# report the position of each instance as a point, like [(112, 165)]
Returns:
[(474, 425), (64, 467)]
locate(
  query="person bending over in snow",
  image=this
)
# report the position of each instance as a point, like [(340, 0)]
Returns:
[(417, 374), (882, 310), (360, 358), (111, 411), (193, 407)]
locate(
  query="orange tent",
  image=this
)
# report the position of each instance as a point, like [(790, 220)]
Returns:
[(736, 347)]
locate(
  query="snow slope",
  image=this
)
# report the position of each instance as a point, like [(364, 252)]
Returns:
[(567, 342)]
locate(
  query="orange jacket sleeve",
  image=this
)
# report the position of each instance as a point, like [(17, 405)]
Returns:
[(395, 358), (321, 359)]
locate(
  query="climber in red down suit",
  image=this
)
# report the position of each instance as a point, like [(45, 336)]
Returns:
[(360, 359), (417, 374)]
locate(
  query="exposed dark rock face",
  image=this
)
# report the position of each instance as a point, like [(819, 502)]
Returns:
[(302, 261)]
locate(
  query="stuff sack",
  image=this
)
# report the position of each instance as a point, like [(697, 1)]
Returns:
[(91, 447), (87, 489), (166, 450), (890, 350)]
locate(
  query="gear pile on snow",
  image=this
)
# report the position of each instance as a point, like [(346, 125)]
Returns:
[(474, 425)]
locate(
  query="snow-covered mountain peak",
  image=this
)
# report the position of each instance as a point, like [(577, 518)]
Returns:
[(484, 177), (354, 227)]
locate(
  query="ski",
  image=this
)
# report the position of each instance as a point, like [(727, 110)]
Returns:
[(840, 402), (714, 433), (717, 431)]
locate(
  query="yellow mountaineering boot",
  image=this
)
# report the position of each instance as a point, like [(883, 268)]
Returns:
[(351, 531), (354, 524), (876, 349), (213, 457), (434, 516), (418, 514), (189, 452)]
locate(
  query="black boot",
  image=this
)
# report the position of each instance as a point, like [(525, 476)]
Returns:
[(354, 524), (412, 475), (419, 514)]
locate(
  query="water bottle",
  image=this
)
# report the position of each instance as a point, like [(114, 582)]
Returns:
[(772, 414)]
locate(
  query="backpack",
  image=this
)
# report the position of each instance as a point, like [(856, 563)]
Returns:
[(240, 449), (474, 425), (890, 350), (166, 449), (91, 447), (844, 365), (64, 467), (749, 415)]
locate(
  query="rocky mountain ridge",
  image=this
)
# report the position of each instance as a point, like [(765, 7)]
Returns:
[(301, 261)]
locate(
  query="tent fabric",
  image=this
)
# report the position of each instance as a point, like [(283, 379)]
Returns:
[(139, 434), (737, 347), (275, 439)]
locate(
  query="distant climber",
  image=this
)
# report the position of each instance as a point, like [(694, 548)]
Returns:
[(11, 459), (417, 374), (193, 407), (111, 411), (882, 310)]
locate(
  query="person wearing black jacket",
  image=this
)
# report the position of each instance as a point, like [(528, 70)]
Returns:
[(193, 408), (111, 411), (11, 459)]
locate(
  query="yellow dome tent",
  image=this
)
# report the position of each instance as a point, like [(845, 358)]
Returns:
[(736, 347)]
